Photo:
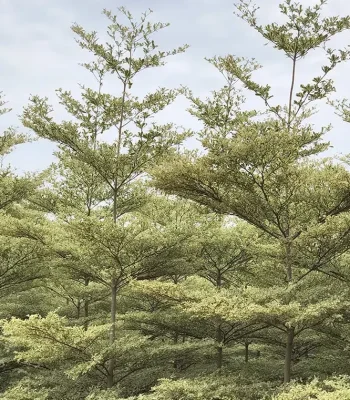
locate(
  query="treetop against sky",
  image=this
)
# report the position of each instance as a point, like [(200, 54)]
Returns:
[(39, 55)]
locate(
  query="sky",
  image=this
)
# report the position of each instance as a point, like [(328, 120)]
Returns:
[(38, 54)]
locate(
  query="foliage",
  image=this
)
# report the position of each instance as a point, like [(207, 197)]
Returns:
[(133, 268)]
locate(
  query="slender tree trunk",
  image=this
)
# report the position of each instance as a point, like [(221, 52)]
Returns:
[(112, 335), (86, 307), (115, 204), (246, 351), (289, 271), (219, 335), (288, 357), (290, 331), (176, 340), (219, 350), (290, 103), (288, 260), (78, 309)]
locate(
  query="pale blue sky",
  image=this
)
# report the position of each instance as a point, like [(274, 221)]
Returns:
[(38, 54)]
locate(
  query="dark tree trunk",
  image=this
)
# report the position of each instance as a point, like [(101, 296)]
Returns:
[(78, 309), (112, 336), (219, 350), (176, 340), (288, 357), (246, 352), (289, 270), (86, 307), (219, 335)]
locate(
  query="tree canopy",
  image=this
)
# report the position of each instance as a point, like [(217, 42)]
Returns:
[(136, 268)]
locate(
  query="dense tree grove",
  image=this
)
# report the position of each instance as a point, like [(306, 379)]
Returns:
[(135, 268)]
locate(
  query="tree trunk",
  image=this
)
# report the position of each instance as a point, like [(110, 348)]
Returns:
[(176, 340), (289, 271), (219, 351), (112, 335), (86, 307), (115, 195), (246, 352), (78, 309), (290, 331), (219, 336), (288, 357)]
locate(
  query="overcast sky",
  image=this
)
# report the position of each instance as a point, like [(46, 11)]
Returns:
[(38, 54)]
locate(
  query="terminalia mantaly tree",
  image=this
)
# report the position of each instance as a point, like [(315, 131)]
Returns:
[(137, 143), (257, 166)]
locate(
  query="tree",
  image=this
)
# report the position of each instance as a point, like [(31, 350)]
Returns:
[(259, 169), (120, 163)]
